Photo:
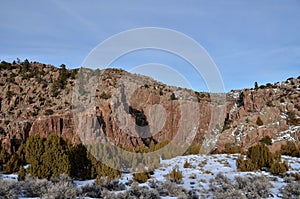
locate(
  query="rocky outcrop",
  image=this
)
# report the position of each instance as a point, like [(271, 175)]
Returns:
[(130, 110), (276, 105)]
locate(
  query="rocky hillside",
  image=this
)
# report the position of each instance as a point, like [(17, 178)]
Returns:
[(269, 110), (131, 110)]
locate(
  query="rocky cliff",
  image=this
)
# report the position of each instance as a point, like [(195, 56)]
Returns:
[(131, 110)]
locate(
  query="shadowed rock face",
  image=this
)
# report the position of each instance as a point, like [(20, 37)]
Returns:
[(129, 110)]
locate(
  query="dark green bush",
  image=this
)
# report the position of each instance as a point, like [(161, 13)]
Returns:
[(231, 148), (279, 168), (48, 112), (245, 165), (13, 164), (173, 97), (9, 94), (260, 157), (266, 140)]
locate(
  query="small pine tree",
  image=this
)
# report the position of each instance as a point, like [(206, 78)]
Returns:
[(173, 97), (256, 85), (26, 66), (56, 159), (34, 149), (63, 76)]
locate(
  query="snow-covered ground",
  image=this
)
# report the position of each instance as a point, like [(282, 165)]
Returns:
[(202, 169)]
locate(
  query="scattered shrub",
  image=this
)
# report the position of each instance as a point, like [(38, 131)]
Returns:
[(34, 187), (21, 174), (231, 148), (48, 112), (269, 85), (92, 191), (187, 164), (169, 188), (227, 123), (278, 168), (266, 140), (259, 121), (136, 191), (208, 172), (173, 97), (292, 118), (240, 101), (254, 187), (141, 177), (245, 165), (193, 149), (296, 176), (175, 175), (110, 184), (290, 149), (13, 164), (9, 189), (262, 86), (4, 156), (270, 104), (222, 187), (61, 189), (9, 94), (2, 131), (104, 95), (6, 122), (244, 187), (291, 190)]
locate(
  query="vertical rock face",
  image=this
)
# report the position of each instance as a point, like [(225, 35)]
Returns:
[(17, 132), (62, 125), (129, 110), (135, 114)]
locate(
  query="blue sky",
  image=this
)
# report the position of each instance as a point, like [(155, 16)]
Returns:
[(248, 40)]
